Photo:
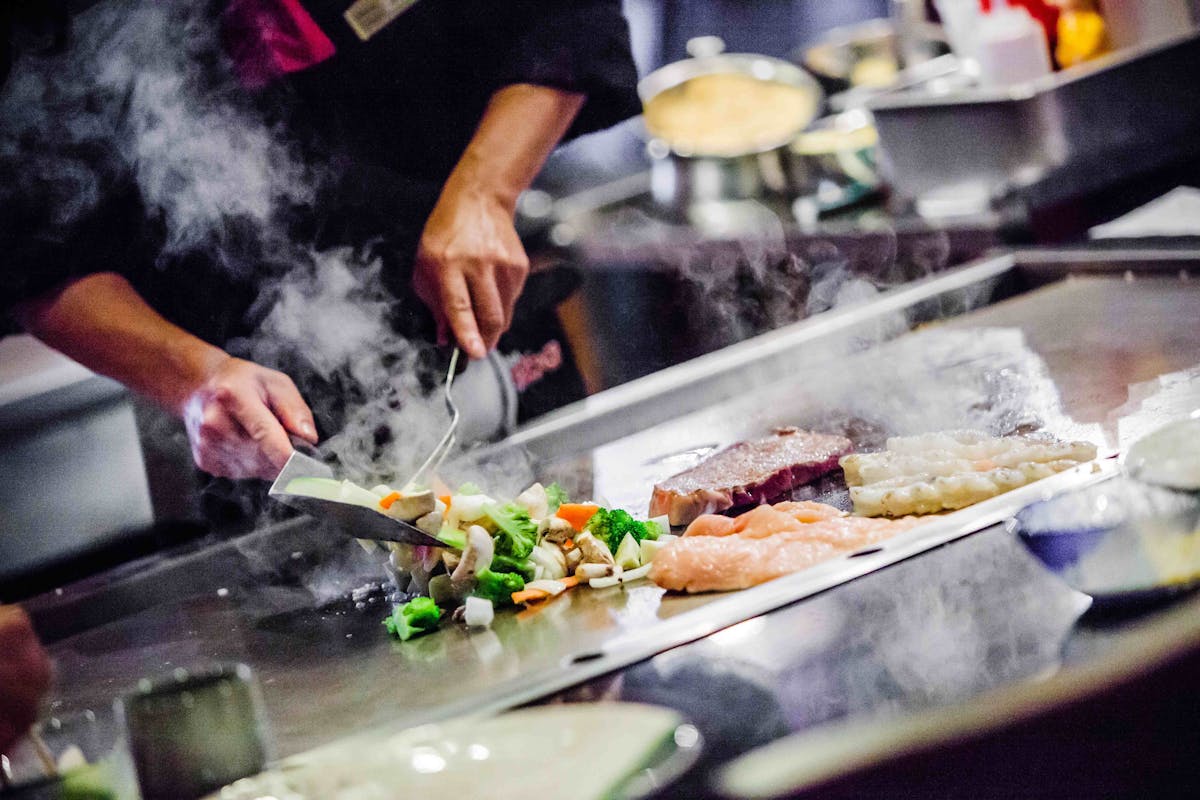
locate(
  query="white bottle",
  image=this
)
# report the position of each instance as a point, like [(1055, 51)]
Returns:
[(1010, 47)]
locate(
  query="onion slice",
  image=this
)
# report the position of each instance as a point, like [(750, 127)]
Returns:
[(625, 577), (550, 586)]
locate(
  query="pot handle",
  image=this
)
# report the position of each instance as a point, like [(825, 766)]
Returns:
[(705, 46)]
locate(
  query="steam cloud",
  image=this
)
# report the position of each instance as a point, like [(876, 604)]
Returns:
[(142, 95)]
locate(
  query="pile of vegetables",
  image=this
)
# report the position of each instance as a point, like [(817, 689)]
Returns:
[(499, 554)]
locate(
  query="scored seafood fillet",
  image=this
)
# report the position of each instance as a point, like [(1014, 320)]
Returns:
[(944, 471), (719, 554), (748, 472)]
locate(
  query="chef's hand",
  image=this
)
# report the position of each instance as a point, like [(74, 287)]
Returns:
[(24, 675), (239, 417), (470, 267)]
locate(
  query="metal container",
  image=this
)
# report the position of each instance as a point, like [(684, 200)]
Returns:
[(1047, 141), (193, 732), (835, 161), (681, 178), (870, 54)]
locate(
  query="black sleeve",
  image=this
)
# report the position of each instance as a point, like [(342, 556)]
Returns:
[(61, 219), (574, 45)]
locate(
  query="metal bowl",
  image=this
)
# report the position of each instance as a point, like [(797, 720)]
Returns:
[(1121, 542)]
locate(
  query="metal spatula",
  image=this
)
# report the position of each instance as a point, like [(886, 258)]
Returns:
[(355, 520)]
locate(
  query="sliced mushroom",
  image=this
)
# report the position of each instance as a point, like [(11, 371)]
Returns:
[(409, 507), (587, 572), (431, 523), (559, 530), (594, 551)]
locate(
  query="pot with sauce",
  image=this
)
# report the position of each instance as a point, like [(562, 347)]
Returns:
[(719, 124)]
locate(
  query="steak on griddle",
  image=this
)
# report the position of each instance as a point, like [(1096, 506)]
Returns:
[(748, 473)]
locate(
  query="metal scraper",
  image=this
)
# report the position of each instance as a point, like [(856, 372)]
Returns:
[(353, 520)]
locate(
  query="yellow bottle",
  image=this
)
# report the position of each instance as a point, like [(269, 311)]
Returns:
[(1082, 33)]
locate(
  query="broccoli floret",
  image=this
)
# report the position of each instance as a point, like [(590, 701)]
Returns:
[(521, 566), (653, 529), (498, 586), (516, 533), (414, 618), (611, 526), (556, 496), (469, 488)]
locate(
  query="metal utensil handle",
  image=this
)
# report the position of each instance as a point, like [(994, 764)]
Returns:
[(447, 442)]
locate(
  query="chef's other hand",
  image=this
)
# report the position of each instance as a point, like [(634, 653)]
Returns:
[(470, 267), (24, 675), (239, 418)]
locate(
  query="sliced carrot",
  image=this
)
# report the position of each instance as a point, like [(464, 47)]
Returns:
[(526, 595), (577, 514), (570, 581), (387, 502), (569, 544), (445, 498)]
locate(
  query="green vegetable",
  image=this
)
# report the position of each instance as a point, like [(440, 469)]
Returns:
[(498, 586), (556, 495), (453, 537), (414, 618), (469, 488), (90, 782), (611, 526), (516, 534), (629, 554), (654, 529), (521, 566)]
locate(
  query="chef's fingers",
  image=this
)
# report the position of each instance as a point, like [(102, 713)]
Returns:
[(511, 280), (249, 410), (456, 305), (284, 399), (489, 308)]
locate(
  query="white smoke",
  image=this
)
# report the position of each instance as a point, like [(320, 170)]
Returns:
[(143, 94)]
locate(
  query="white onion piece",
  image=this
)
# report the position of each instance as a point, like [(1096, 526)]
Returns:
[(553, 587), (479, 612), (485, 548), (635, 574), (627, 576), (469, 507)]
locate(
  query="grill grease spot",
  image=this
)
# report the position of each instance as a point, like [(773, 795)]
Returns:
[(583, 658), (870, 551)]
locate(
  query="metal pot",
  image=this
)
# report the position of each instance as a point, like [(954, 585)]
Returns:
[(870, 54), (835, 161), (681, 177)]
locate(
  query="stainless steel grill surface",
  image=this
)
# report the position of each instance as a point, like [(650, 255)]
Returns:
[(1030, 341)]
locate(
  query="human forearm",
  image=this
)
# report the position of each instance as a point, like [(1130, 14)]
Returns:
[(521, 126), (103, 323), (237, 414), (470, 265)]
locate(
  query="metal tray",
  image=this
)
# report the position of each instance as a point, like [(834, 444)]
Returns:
[(1067, 134), (275, 599)]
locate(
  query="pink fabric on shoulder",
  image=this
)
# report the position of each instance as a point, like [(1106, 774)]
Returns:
[(268, 39)]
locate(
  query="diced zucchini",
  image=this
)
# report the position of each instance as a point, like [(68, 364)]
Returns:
[(628, 555)]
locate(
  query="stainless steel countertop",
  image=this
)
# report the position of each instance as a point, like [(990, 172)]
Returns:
[(929, 631)]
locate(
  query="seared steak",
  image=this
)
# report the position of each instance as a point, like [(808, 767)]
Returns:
[(748, 473)]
